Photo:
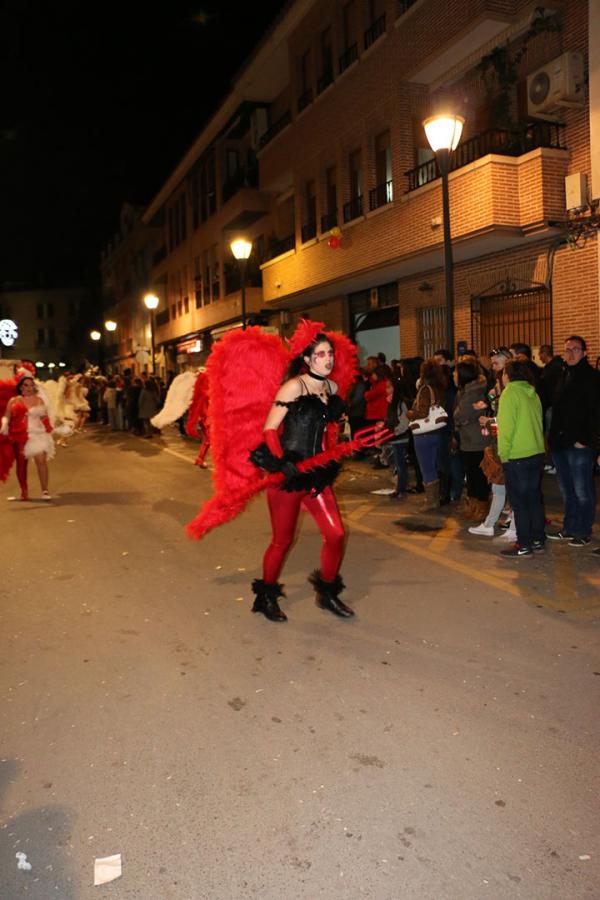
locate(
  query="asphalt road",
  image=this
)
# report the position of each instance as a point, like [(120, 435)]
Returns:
[(443, 745)]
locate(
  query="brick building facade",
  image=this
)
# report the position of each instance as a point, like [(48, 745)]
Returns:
[(323, 129)]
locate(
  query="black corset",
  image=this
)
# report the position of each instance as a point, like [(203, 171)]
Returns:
[(304, 424)]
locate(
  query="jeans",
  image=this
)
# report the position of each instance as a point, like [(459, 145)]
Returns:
[(575, 468), (523, 480), (401, 467), (450, 468), (427, 448)]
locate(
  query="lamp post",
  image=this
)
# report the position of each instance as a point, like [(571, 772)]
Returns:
[(443, 133), (96, 336), (151, 302), (241, 249)]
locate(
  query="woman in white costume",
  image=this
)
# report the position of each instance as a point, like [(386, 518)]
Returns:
[(29, 430)]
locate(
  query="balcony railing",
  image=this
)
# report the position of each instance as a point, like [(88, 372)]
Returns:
[(233, 280), (404, 6), (374, 31), (275, 128), (247, 176), (324, 80), (309, 231), (159, 255), (348, 57), (353, 209), (277, 246), (305, 99), (329, 221), (505, 143), (381, 195)]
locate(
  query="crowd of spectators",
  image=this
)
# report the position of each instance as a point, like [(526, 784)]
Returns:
[(125, 402), (507, 422)]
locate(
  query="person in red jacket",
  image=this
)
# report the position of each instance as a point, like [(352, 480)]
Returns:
[(377, 396), (29, 430)]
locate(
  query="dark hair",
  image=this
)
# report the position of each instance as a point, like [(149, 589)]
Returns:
[(518, 347), (466, 372), (298, 365), (547, 348), (19, 387), (519, 370), (575, 337), (431, 374), (382, 358), (445, 354)]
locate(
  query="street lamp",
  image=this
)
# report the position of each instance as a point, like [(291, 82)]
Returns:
[(110, 325), (151, 302), (95, 335), (443, 133), (241, 249)]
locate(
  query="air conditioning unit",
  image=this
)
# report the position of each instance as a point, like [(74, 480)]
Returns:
[(558, 83), (259, 123)]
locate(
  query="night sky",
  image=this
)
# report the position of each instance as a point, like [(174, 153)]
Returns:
[(101, 102)]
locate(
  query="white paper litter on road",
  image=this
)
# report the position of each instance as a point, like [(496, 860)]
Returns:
[(384, 491), (22, 862), (106, 869)]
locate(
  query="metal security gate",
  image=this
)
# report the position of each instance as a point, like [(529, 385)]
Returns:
[(501, 319), (431, 330)]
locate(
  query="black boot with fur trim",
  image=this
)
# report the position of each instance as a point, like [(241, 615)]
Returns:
[(266, 600), (327, 594)]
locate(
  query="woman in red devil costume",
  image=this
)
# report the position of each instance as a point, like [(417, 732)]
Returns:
[(28, 428), (289, 396), (296, 429)]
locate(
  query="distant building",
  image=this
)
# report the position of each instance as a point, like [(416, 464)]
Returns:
[(47, 326)]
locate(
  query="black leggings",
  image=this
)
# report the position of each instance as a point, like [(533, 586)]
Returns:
[(477, 484)]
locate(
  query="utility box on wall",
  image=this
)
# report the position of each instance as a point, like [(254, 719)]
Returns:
[(576, 191)]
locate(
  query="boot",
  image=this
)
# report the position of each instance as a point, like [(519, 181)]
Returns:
[(327, 594), (266, 600), (432, 497)]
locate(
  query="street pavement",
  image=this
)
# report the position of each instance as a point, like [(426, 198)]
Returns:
[(442, 745)]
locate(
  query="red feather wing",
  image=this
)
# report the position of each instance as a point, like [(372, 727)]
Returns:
[(199, 405), (7, 457), (244, 373)]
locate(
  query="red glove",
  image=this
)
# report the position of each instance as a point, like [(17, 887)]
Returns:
[(46, 424), (332, 435), (273, 443)]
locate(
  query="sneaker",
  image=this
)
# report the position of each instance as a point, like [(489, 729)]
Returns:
[(596, 552), (537, 546), (46, 495), (550, 470), (516, 552), (580, 541), (559, 536), (483, 529)]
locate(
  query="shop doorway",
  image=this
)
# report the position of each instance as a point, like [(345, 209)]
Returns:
[(498, 320)]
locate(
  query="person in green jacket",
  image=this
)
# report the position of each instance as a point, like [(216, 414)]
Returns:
[(521, 451)]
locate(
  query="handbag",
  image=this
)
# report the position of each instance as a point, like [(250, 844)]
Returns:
[(491, 466), (436, 418)]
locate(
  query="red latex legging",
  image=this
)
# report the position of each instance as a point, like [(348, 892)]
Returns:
[(284, 508), (21, 465)]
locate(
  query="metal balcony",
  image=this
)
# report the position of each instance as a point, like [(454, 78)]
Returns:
[(275, 128), (505, 143), (324, 80), (329, 221), (245, 177), (348, 57), (353, 209), (309, 231), (374, 31), (277, 246), (404, 5), (305, 99), (381, 195)]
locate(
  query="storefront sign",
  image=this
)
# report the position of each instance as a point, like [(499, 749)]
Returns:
[(194, 345), (8, 332)]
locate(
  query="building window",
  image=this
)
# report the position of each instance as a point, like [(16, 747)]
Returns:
[(186, 304), (350, 35), (330, 219), (309, 227), (326, 54), (232, 163), (215, 272), (383, 192), (206, 278), (304, 81), (41, 337), (354, 207)]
